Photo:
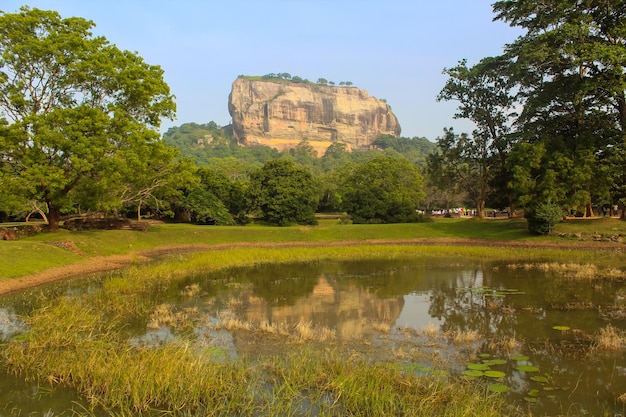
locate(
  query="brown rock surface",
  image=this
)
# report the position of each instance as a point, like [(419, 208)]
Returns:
[(282, 113)]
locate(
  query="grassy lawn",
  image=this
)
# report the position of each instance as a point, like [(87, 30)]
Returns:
[(32, 254)]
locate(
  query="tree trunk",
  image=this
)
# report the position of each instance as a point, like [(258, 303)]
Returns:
[(480, 209), (54, 216), (139, 211), (511, 204)]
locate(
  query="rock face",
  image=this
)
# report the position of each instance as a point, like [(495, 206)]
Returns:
[(282, 113)]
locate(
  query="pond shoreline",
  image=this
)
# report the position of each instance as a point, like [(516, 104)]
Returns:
[(99, 264)]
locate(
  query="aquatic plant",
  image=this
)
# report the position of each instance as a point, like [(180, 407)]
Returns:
[(610, 338)]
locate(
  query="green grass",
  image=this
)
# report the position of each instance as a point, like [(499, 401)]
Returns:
[(32, 254)]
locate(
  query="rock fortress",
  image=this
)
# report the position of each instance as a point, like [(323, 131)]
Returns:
[(281, 113)]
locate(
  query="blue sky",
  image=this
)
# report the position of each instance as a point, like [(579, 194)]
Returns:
[(394, 49)]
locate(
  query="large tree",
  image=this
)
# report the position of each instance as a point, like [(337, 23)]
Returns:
[(386, 189), (284, 193), (77, 108), (570, 70), (464, 161), (483, 92)]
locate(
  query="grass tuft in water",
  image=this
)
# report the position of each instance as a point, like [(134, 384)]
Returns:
[(610, 339)]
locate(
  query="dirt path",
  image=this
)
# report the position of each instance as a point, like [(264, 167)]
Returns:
[(113, 262)]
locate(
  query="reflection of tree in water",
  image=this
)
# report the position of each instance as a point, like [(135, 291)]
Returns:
[(285, 284), (463, 309), (282, 284), (390, 278)]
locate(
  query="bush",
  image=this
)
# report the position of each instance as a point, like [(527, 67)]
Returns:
[(543, 217)]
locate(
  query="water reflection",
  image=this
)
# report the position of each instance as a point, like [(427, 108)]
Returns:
[(347, 308), (510, 311), (10, 324), (492, 301)]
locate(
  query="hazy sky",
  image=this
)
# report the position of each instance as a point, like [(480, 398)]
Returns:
[(394, 49)]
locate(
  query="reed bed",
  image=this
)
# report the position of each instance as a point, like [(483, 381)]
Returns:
[(124, 379), (336, 383)]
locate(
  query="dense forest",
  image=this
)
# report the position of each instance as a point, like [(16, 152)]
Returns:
[(79, 134), (213, 149)]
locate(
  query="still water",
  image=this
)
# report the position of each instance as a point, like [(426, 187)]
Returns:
[(531, 332)]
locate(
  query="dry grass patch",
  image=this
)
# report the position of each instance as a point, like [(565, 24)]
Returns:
[(430, 331), (191, 290), (572, 270), (463, 337), (165, 315), (306, 331), (505, 344), (381, 327), (610, 339), (303, 331)]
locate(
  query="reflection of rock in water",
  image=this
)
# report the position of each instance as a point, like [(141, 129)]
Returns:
[(350, 311)]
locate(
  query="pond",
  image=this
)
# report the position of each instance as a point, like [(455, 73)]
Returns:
[(548, 337)]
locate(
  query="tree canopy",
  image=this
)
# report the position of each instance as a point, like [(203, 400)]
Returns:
[(386, 189), (565, 78), (77, 109), (284, 193)]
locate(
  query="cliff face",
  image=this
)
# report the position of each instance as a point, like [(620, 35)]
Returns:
[(281, 114)]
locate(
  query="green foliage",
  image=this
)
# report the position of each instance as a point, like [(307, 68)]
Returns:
[(304, 154), (543, 218), (484, 95), (569, 71), (565, 76), (231, 193), (414, 149), (78, 109), (284, 193), (288, 78), (204, 143), (463, 162), (204, 207), (386, 189)]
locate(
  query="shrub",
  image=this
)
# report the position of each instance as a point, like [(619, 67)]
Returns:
[(543, 217)]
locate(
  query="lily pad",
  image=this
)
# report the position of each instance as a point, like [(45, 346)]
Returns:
[(530, 399), (498, 388), (492, 362), (539, 378), (473, 373), (533, 393), (527, 368), (561, 328), (520, 358), (477, 366), (495, 374), (484, 355)]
